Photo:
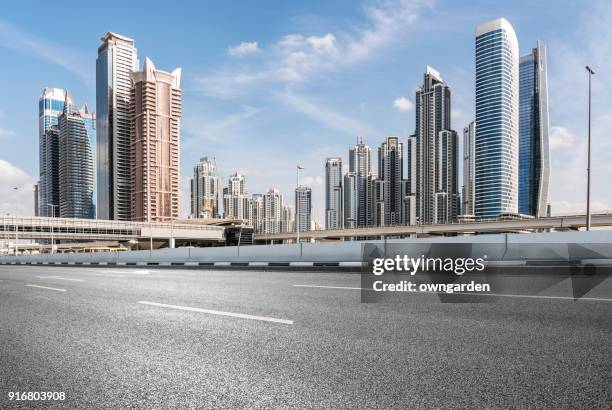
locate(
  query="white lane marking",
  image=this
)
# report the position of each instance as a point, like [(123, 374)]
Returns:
[(473, 294), (60, 278), (220, 313), (46, 287), (135, 272)]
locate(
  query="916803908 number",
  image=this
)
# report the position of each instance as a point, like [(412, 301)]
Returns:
[(36, 396)]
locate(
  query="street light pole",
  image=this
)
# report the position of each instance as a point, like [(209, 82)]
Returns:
[(297, 202), (588, 206)]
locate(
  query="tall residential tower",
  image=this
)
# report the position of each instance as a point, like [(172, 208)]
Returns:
[(117, 59), (534, 155), (155, 123), (436, 153), (333, 193), (497, 119), (205, 189)]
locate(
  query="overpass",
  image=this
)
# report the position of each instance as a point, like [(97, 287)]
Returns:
[(68, 229), (559, 223)]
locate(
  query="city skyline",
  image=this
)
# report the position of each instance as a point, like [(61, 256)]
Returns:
[(313, 175)]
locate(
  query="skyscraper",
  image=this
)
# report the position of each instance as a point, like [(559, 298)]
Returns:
[(333, 193), (497, 119), (273, 211), (205, 188), (390, 178), (435, 151), (534, 155), (350, 200), (287, 223), (255, 212), (303, 199), (77, 136), (235, 198), (117, 59), (155, 118), (469, 132), (50, 106), (360, 165)]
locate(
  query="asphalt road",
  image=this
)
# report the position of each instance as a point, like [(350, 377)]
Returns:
[(159, 338)]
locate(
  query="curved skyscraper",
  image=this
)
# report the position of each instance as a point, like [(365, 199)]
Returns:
[(534, 156), (497, 119)]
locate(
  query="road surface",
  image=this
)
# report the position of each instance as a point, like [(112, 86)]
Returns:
[(158, 338)]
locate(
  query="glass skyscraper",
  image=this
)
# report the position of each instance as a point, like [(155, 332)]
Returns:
[(333, 193), (77, 135), (50, 107), (534, 156), (117, 59), (496, 141)]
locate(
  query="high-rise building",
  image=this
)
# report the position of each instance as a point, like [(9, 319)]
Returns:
[(205, 188), (303, 215), (350, 200), (49, 200), (390, 180), (534, 154), (273, 211), (155, 117), (77, 137), (497, 119), (287, 223), (36, 199), (50, 106), (435, 150), (360, 164), (255, 212), (235, 198), (469, 133), (333, 193), (117, 59)]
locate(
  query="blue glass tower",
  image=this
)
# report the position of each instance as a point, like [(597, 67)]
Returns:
[(496, 141), (50, 106), (534, 156)]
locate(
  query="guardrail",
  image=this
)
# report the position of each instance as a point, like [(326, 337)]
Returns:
[(500, 247)]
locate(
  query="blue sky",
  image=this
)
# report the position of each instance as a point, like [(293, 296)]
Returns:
[(268, 85)]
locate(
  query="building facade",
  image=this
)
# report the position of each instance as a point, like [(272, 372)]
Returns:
[(255, 212), (360, 166), (77, 136), (155, 113), (50, 106), (273, 211), (334, 211), (436, 147), (235, 198), (303, 215), (497, 119), (117, 59), (534, 154), (288, 223), (467, 197), (389, 189), (205, 189)]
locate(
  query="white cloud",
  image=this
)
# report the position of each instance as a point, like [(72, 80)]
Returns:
[(295, 57), (560, 138), (19, 201), (5, 132), (243, 48), (14, 38), (403, 104)]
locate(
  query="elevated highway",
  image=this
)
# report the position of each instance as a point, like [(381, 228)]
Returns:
[(558, 223)]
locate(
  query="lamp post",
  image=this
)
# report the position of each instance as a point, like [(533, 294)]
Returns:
[(52, 216), (588, 206), (297, 202)]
